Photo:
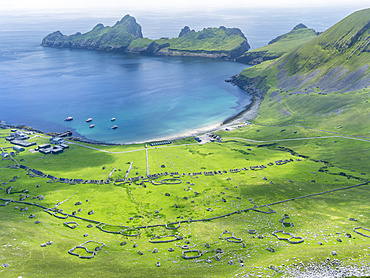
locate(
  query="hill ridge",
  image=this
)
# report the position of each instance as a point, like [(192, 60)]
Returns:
[(336, 60), (126, 36), (280, 45)]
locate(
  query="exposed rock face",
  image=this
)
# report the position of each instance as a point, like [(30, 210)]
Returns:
[(184, 31), (342, 45), (299, 26), (336, 80), (344, 69), (257, 88), (132, 26), (155, 47)]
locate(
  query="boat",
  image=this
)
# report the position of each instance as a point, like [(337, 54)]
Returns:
[(69, 119), (113, 119), (89, 120), (91, 126), (114, 127)]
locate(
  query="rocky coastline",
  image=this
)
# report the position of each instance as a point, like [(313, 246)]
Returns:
[(250, 86), (126, 37), (153, 51)]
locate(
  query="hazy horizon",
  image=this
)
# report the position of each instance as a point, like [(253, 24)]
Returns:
[(272, 21), (40, 6)]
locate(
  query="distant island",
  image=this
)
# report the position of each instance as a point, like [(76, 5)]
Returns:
[(126, 36)]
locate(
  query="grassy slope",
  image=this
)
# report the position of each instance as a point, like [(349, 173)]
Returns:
[(316, 219), (127, 34), (329, 50), (122, 34), (334, 47), (115, 204), (336, 112), (210, 39), (287, 43), (344, 113)]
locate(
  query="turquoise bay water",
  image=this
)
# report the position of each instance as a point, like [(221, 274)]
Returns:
[(150, 97)]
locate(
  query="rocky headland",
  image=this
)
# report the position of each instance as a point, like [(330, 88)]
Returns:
[(126, 36)]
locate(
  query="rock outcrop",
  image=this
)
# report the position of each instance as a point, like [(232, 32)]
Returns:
[(184, 31)]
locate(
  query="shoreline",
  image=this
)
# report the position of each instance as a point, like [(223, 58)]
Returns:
[(191, 133), (249, 112)]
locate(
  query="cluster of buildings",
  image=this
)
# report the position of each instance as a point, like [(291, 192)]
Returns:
[(18, 138), (59, 146)]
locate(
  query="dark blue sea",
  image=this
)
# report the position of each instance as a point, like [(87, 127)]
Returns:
[(150, 97)]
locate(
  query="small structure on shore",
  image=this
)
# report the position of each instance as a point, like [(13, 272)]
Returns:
[(56, 140), (161, 143), (22, 143)]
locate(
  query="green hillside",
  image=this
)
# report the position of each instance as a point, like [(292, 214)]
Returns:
[(336, 60), (209, 39), (279, 46), (119, 36), (286, 195), (346, 44), (324, 84), (126, 36)]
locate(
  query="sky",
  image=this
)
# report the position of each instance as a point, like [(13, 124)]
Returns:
[(76, 5)]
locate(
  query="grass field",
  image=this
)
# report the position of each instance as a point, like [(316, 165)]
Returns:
[(109, 213), (282, 196)]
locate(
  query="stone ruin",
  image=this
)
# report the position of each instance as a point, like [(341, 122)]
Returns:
[(82, 246)]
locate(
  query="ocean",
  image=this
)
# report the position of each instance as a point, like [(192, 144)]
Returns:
[(150, 97)]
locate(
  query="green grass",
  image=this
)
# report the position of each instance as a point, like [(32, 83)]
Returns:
[(287, 43), (126, 35), (208, 40), (363, 231), (115, 205), (336, 112), (320, 163), (121, 35), (334, 47), (343, 46)]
